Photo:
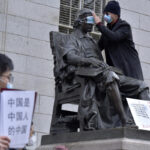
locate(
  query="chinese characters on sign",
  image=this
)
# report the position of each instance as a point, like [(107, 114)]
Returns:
[(16, 116)]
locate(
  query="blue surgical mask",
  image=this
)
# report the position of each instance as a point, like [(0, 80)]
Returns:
[(9, 85), (90, 20), (108, 18)]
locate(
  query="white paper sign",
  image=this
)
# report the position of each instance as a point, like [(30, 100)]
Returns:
[(140, 110), (16, 115)]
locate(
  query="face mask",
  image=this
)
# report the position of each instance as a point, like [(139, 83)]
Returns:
[(107, 18), (9, 85), (90, 20)]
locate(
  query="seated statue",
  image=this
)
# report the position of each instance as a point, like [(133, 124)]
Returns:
[(83, 58)]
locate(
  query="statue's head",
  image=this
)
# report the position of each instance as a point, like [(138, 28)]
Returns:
[(84, 20)]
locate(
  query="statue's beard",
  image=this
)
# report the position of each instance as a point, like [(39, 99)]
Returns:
[(89, 29)]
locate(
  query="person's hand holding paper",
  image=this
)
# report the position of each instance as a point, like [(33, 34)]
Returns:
[(4, 142)]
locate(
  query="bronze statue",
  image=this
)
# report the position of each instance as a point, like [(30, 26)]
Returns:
[(82, 51), (81, 57)]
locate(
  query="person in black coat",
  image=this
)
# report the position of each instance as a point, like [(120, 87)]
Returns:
[(118, 43)]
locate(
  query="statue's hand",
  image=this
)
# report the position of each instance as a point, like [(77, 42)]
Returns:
[(104, 65), (97, 63), (94, 62)]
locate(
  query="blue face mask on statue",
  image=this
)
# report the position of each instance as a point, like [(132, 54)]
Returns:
[(108, 18), (90, 20)]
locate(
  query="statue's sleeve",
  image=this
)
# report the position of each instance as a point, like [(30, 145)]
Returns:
[(74, 59), (72, 54), (71, 47)]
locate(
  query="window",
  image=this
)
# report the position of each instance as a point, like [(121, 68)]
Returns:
[(69, 9)]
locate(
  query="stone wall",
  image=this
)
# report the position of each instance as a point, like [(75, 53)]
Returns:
[(24, 36)]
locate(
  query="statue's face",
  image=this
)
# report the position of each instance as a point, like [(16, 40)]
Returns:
[(86, 27), (88, 23)]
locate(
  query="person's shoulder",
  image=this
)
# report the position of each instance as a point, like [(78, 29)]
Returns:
[(123, 23)]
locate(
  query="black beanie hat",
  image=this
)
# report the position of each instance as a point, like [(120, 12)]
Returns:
[(113, 7)]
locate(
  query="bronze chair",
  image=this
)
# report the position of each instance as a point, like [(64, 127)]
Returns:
[(62, 120)]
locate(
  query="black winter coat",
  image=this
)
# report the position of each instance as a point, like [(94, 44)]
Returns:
[(120, 49)]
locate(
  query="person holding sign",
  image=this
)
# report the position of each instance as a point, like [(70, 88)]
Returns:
[(6, 66), (18, 106)]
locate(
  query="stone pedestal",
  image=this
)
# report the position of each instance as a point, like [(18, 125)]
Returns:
[(110, 139)]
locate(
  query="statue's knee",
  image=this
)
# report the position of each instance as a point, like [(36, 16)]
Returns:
[(142, 85), (110, 87), (144, 95)]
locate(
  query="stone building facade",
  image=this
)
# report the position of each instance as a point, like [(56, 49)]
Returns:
[(24, 37)]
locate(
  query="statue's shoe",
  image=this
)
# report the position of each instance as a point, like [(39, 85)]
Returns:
[(130, 124)]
